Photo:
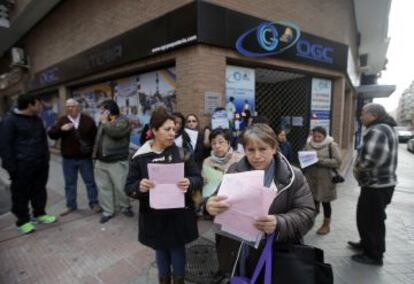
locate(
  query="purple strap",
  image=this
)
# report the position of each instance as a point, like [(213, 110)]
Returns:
[(265, 258)]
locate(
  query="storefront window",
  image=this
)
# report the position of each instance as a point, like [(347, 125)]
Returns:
[(137, 96)]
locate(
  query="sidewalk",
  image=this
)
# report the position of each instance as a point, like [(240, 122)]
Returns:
[(80, 250)]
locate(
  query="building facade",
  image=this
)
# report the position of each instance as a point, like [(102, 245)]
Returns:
[(405, 111), (296, 62)]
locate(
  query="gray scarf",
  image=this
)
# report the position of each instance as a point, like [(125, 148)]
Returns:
[(222, 160)]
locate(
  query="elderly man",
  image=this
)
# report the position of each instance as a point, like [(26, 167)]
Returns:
[(375, 171), (25, 154), (77, 132)]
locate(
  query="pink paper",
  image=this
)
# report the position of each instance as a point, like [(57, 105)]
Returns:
[(166, 194), (248, 200)]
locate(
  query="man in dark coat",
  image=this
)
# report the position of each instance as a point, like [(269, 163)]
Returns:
[(77, 132), (25, 156), (375, 170)]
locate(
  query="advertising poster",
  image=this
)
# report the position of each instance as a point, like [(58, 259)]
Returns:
[(240, 89), (321, 103), (91, 96), (49, 113), (50, 110), (137, 96)]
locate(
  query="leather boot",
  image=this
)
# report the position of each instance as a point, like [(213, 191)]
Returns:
[(178, 280), (325, 228), (164, 279)]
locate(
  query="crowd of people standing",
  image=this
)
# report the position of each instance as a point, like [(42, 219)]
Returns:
[(113, 178)]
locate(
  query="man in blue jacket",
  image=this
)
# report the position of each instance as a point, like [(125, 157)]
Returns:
[(25, 155)]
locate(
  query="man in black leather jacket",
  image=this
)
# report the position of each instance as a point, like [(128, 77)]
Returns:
[(25, 155)]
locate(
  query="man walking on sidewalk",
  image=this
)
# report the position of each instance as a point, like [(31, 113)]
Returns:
[(112, 152), (375, 171), (25, 155), (77, 133)]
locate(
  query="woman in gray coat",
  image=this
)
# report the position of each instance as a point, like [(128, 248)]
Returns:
[(319, 175), (291, 213)]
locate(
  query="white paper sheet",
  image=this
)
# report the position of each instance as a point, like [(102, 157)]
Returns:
[(193, 136), (307, 158)]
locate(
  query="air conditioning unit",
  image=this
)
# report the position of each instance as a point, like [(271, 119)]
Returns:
[(18, 57)]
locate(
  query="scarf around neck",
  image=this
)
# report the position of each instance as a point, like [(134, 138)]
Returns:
[(222, 160), (317, 145)]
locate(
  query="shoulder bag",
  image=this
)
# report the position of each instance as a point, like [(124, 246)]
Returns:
[(336, 177)]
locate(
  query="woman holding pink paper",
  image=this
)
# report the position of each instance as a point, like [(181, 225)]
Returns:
[(167, 230), (222, 154), (292, 212)]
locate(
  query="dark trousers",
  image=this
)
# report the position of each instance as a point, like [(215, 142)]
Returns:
[(28, 185), (327, 208), (172, 256), (371, 219)]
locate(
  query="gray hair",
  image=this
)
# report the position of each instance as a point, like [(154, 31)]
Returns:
[(72, 102), (260, 132), (376, 110)]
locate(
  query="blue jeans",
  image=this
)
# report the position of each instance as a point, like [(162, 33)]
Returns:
[(172, 256), (70, 173)]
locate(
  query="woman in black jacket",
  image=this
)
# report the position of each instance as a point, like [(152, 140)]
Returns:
[(202, 149), (181, 137), (167, 231)]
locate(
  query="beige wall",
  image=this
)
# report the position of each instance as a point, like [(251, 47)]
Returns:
[(77, 25)]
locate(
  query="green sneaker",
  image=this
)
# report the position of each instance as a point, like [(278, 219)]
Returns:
[(44, 219), (27, 228)]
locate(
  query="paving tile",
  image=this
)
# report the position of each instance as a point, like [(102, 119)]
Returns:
[(80, 250)]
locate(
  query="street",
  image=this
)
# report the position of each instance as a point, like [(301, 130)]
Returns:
[(80, 250)]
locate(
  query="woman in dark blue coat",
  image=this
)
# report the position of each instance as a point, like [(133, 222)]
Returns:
[(167, 231)]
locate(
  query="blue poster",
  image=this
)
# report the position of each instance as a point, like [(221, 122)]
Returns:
[(240, 91)]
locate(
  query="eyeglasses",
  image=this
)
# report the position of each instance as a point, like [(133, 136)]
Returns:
[(191, 121)]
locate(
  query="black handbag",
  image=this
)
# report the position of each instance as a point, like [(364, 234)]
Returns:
[(297, 264), (336, 177)]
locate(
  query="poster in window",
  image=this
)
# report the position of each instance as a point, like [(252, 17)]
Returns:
[(137, 96), (321, 103), (91, 96), (240, 90)]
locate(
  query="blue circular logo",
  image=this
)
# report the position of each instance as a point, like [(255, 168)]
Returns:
[(268, 39), (267, 36)]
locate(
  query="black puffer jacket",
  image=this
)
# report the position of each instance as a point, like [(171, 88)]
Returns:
[(23, 140), (160, 229)]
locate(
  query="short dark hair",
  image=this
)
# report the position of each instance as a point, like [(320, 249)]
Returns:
[(159, 117), (320, 130), (24, 100), (279, 130), (220, 131), (111, 106), (181, 116)]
